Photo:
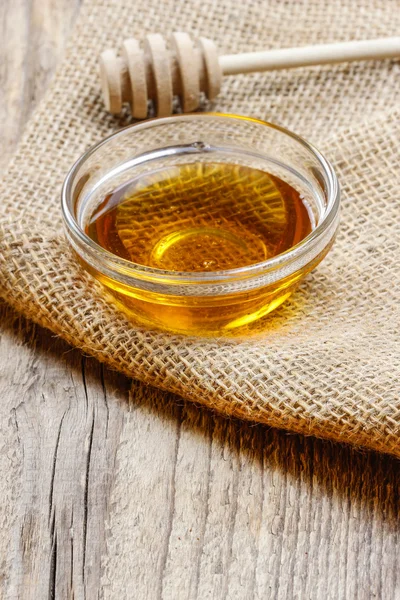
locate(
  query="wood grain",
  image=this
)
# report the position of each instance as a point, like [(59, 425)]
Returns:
[(115, 491)]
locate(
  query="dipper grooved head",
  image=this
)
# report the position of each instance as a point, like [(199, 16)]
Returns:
[(157, 73)]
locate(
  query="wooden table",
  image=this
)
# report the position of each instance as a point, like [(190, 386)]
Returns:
[(111, 491)]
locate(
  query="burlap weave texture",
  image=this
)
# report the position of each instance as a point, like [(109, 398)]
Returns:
[(330, 362)]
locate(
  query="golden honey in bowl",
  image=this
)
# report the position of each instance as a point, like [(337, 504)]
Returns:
[(201, 217)]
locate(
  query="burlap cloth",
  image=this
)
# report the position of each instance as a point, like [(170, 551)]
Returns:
[(330, 362)]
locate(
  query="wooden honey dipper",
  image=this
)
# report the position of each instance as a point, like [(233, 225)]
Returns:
[(186, 70)]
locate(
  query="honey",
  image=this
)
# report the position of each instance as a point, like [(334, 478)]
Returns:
[(201, 217)]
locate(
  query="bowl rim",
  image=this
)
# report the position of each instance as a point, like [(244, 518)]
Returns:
[(128, 268)]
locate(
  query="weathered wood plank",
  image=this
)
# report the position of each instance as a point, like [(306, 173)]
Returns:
[(256, 513), (114, 494), (65, 434), (34, 33)]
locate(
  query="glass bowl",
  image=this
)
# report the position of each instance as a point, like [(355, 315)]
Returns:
[(216, 303)]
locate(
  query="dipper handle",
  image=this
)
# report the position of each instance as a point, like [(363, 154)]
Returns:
[(307, 56)]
